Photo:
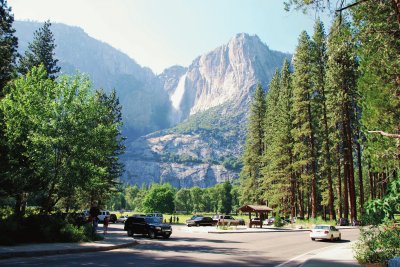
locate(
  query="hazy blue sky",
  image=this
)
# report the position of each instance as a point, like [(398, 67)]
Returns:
[(162, 33)]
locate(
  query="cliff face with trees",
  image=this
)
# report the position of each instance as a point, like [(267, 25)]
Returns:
[(330, 139)]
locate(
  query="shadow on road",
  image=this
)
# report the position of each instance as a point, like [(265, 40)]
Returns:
[(336, 241)]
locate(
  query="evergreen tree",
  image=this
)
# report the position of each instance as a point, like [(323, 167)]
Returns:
[(8, 45), (286, 115), (8, 54), (342, 102), (274, 182), (41, 51), (318, 77), (254, 149), (303, 132)]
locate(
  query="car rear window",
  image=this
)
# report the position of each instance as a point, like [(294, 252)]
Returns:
[(153, 220), (321, 227)]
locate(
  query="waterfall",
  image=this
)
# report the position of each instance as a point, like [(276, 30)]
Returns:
[(176, 99)]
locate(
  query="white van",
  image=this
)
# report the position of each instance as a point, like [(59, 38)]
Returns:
[(155, 214), (103, 214)]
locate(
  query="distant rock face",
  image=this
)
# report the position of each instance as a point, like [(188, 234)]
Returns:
[(211, 100), (229, 73), (176, 159)]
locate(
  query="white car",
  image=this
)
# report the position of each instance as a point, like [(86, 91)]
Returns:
[(325, 232), (122, 219)]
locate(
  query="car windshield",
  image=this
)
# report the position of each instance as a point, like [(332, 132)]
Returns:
[(321, 227), (152, 220)]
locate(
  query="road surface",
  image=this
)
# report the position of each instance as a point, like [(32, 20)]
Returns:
[(195, 247)]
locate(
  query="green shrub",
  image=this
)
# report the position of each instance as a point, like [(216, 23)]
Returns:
[(378, 244), (278, 221), (43, 229)]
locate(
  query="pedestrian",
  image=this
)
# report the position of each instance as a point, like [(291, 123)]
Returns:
[(174, 218), (177, 219), (94, 212), (105, 224), (170, 220)]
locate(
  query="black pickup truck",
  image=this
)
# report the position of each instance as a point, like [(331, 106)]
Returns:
[(150, 226)]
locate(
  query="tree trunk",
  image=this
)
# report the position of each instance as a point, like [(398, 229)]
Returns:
[(313, 167), (18, 204), (371, 182), (350, 165), (360, 178), (300, 201), (331, 199), (293, 196), (339, 187), (345, 175)]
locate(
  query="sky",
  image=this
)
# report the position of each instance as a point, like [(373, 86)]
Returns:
[(162, 33)]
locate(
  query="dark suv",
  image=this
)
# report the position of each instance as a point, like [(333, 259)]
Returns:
[(150, 226)]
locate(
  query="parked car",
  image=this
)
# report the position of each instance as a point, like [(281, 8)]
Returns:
[(113, 218), (325, 232), (269, 221), (122, 219), (195, 216), (151, 226), (201, 221), (343, 222), (103, 214), (227, 219)]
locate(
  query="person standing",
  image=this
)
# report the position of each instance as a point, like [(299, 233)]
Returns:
[(94, 212), (105, 224)]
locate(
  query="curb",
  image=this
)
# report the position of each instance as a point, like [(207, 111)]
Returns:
[(38, 253), (275, 230)]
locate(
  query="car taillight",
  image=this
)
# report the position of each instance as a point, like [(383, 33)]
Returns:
[(326, 232)]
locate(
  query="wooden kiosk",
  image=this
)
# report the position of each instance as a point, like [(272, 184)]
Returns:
[(261, 211)]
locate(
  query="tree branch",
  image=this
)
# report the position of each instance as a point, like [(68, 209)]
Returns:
[(349, 6), (386, 134)]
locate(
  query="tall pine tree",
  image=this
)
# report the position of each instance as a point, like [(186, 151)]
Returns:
[(8, 45), (342, 103), (253, 151), (41, 51), (303, 132), (318, 77), (8, 55)]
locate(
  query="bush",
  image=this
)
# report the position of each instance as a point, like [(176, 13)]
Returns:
[(43, 229), (278, 221), (378, 244)]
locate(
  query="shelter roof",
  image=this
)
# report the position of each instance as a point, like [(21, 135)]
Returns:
[(255, 208)]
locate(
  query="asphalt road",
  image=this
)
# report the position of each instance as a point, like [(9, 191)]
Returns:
[(195, 247)]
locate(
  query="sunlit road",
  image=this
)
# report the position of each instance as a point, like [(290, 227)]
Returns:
[(188, 248)]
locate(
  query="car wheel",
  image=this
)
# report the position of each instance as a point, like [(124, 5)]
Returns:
[(313, 239), (130, 233), (332, 238), (167, 236), (197, 224), (340, 237), (152, 235)]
